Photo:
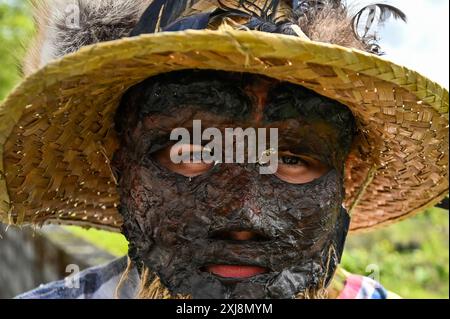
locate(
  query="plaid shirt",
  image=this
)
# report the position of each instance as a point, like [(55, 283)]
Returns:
[(101, 282)]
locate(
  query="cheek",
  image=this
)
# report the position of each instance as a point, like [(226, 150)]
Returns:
[(161, 203), (312, 209), (142, 191)]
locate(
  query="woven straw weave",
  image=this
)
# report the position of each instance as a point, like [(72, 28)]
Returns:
[(57, 135)]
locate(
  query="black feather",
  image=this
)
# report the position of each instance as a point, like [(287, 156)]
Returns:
[(161, 13), (267, 12), (196, 22), (385, 12)]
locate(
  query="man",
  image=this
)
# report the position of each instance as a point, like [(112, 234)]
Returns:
[(94, 139)]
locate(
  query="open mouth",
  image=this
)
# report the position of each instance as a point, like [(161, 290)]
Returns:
[(236, 271)]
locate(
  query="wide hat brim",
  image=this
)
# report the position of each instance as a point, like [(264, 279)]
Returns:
[(57, 135)]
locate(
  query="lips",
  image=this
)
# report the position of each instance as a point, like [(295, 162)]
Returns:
[(236, 271)]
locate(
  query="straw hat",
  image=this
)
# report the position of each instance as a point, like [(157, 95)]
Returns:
[(57, 134)]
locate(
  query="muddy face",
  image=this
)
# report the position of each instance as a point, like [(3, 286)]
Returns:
[(225, 230)]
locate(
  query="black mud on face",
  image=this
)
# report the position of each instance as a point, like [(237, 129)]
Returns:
[(172, 223)]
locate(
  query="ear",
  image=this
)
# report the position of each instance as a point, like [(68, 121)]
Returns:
[(64, 26)]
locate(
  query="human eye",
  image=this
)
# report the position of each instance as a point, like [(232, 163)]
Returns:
[(299, 169), (192, 163)]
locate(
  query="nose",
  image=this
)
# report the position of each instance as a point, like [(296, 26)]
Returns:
[(243, 191), (249, 201)]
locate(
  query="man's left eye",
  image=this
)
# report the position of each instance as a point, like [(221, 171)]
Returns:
[(297, 169), (292, 160)]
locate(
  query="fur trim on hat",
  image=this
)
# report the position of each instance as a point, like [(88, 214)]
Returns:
[(64, 26)]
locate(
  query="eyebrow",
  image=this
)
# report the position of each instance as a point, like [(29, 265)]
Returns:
[(226, 96), (288, 101), (210, 95)]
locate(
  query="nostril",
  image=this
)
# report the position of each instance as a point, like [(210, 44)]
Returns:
[(243, 235)]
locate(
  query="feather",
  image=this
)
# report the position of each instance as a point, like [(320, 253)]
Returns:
[(264, 9), (385, 12), (160, 14), (197, 22)]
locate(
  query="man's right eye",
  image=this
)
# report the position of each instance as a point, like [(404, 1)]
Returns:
[(191, 165)]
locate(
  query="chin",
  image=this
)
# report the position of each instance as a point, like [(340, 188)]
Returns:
[(187, 279)]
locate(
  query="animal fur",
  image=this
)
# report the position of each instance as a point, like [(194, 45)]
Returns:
[(99, 20), (331, 25)]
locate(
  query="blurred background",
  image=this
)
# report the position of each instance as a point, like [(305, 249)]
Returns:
[(410, 258)]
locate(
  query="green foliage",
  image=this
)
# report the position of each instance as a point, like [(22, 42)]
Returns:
[(16, 28), (114, 243), (412, 256)]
